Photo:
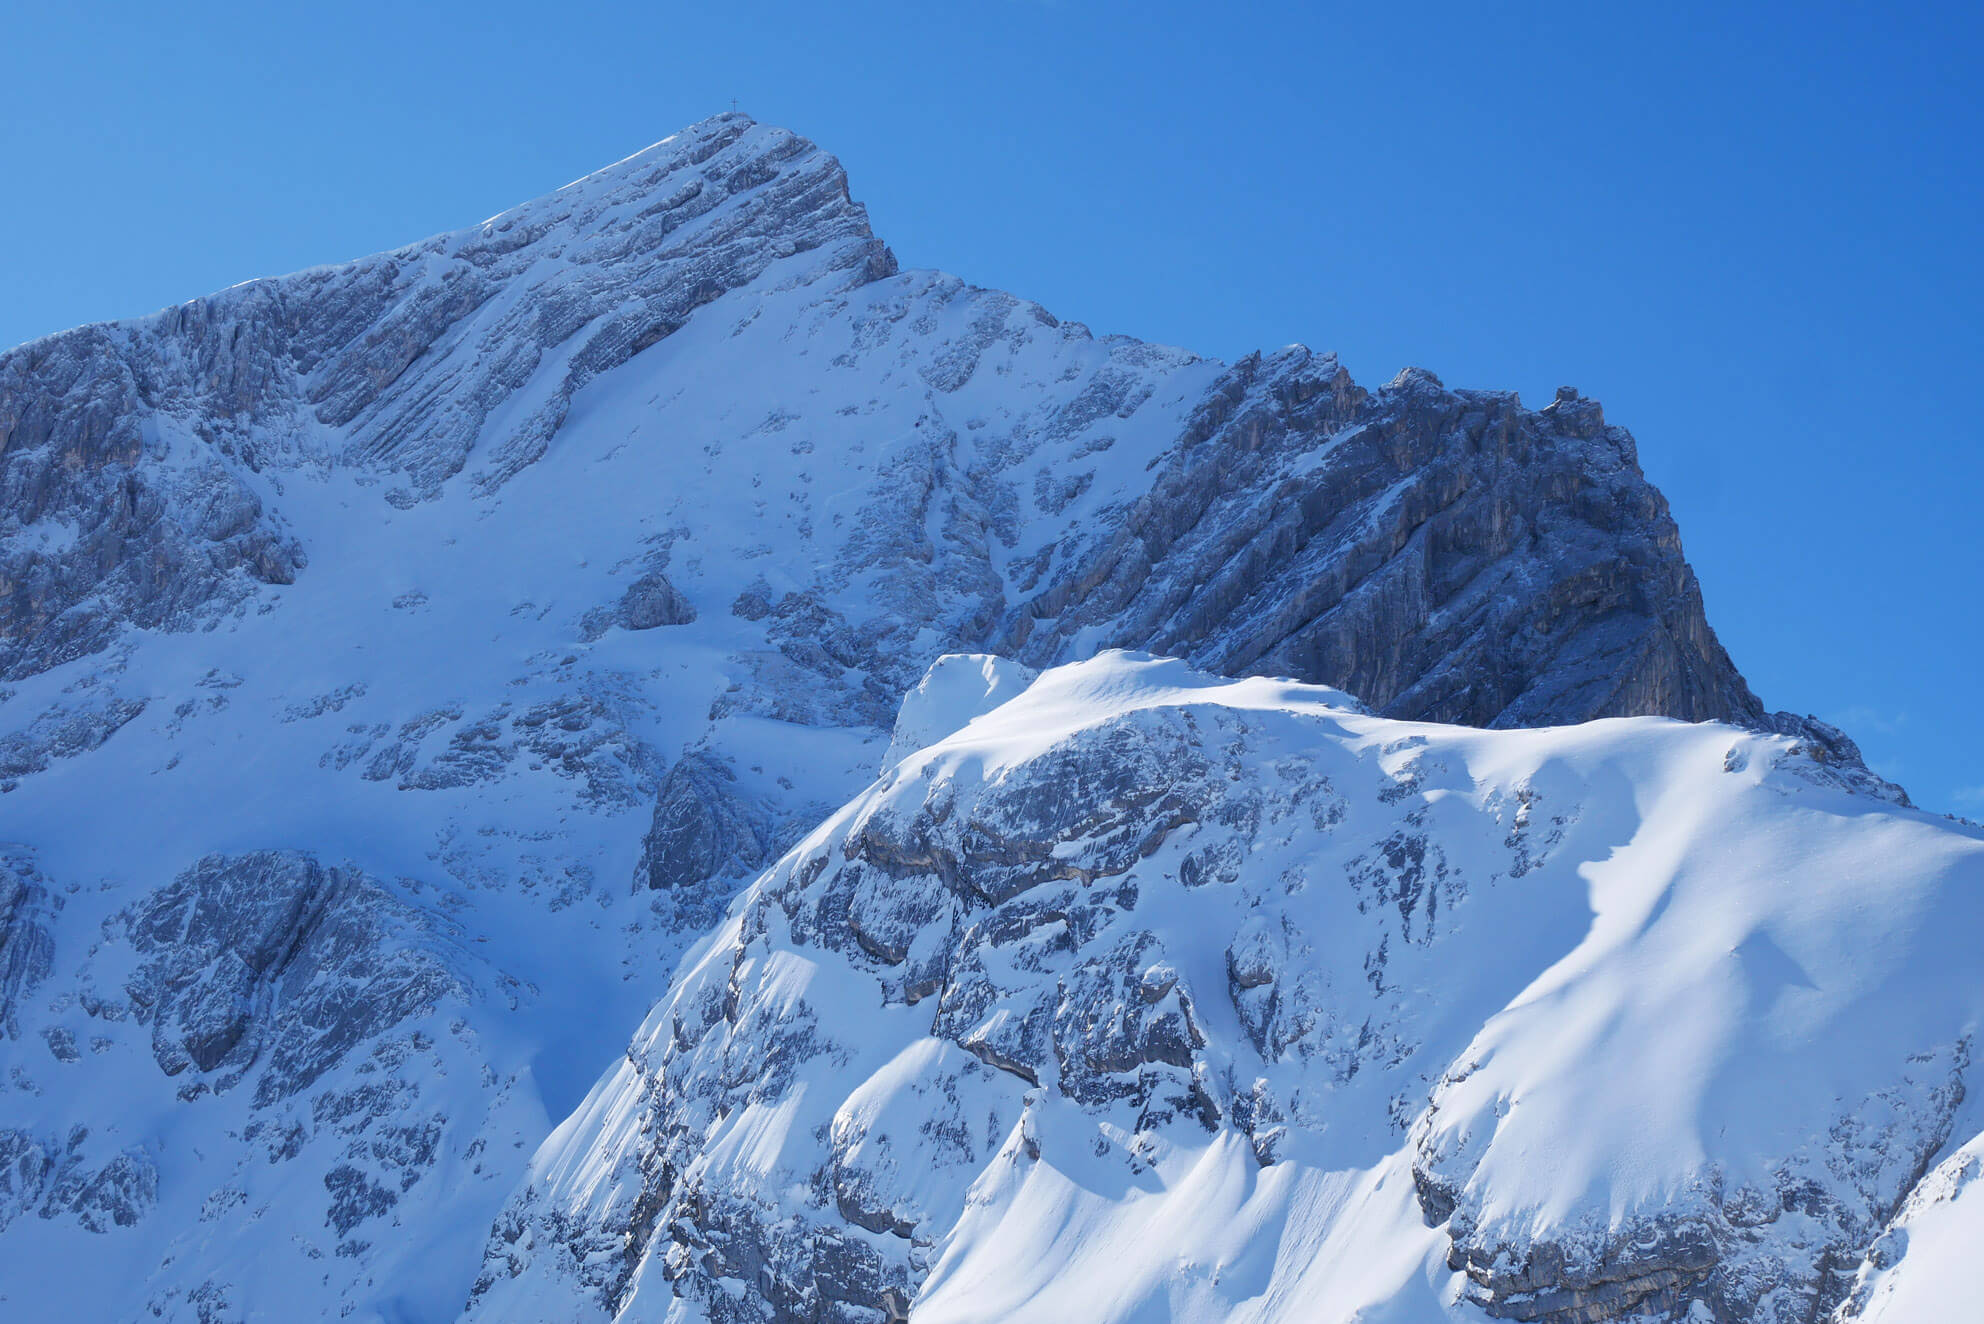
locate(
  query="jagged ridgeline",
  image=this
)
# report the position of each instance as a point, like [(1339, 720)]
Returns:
[(421, 676)]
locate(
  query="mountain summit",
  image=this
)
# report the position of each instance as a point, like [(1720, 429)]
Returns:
[(149, 435), (1443, 554), (423, 674)]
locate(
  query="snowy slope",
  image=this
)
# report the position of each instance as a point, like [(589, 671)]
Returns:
[(1152, 995), (1924, 1267)]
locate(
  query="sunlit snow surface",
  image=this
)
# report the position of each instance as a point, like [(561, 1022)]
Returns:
[(1650, 975)]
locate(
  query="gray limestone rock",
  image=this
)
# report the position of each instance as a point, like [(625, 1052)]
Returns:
[(63, 731), (1019, 929), (651, 601), (1016, 918), (702, 829), (1444, 555), (1719, 1251), (27, 948), (71, 1177), (274, 962)]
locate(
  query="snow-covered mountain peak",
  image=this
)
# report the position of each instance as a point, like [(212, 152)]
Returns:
[(777, 184), (407, 665), (1182, 996), (459, 355)]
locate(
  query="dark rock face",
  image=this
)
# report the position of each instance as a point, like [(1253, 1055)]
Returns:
[(27, 949), (1444, 555), (135, 541), (58, 1178), (702, 829), (271, 958), (652, 601)]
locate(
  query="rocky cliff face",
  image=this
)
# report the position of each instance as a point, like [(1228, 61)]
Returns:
[(452, 635), (1446, 555)]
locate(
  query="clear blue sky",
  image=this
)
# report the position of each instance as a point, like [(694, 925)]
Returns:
[(1754, 235)]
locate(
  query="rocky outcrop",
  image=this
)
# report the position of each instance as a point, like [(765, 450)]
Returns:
[(108, 519), (27, 948), (55, 1179), (652, 601), (1923, 1262), (308, 1027), (63, 731), (702, 829), (1445, 555), (272, 962)]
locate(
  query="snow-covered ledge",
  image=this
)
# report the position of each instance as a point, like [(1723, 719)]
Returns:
[(957, 688)]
